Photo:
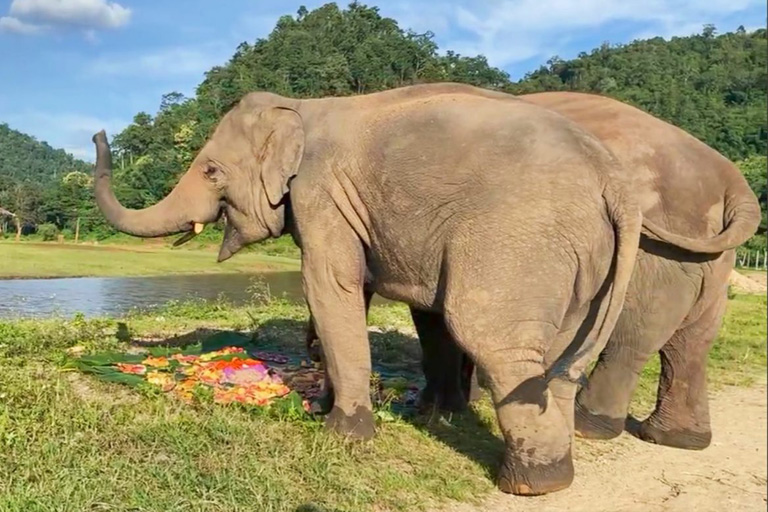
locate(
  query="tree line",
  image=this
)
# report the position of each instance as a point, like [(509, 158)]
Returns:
[(713, 86)]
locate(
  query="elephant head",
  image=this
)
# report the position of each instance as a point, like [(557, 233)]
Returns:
[(243, 172)]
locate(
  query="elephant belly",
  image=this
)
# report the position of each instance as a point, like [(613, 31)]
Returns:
[(418, 295), (660, 297)]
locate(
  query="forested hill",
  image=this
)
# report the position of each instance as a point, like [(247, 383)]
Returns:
[(713, 86), (23, 158)]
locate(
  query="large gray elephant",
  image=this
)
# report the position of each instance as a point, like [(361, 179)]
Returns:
[(449, 201), (678, 292)]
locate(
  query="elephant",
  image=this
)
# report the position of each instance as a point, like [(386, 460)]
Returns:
[(677, 294), (448, 201)]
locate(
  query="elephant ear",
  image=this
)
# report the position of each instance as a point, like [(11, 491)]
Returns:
[(282, 152)]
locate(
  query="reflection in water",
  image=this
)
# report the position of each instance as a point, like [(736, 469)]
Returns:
[(114, 296)]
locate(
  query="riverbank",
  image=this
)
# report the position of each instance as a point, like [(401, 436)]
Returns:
[(69, 439), (27, 260)]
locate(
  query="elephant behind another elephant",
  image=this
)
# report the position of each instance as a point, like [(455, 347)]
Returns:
[(678, 292)]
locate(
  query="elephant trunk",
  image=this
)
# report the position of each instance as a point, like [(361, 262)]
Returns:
[(189, 206)]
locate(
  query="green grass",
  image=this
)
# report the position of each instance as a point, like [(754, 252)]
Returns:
[(26, 260), (69, 442)]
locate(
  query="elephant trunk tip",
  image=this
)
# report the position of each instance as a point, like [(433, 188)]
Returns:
[(99, 137)]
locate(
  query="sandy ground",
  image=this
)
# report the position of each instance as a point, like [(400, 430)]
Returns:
[(749, 281), (627, 474)]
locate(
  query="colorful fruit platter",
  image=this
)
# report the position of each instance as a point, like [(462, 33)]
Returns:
[(232, 369)]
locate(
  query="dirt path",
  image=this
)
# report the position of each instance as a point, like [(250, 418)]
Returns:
[(629, 475), (748, 281)]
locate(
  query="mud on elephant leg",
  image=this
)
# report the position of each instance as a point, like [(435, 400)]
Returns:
[(681, 416)]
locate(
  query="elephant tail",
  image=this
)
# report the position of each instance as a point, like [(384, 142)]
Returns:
[(741, 220), (626, 218)]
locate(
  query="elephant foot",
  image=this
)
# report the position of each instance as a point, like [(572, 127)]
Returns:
[(535, 479), (359, 426), (452, 402), (588, 425), (684, 439)]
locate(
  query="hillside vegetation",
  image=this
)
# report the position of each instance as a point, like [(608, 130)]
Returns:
[(713, 86)]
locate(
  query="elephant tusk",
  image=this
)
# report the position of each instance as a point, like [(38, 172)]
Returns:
[(199, 228)]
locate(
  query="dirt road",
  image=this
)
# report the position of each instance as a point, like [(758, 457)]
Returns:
[(628, 475)]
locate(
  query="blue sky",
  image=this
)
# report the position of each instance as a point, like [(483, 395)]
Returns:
[(73, 67)]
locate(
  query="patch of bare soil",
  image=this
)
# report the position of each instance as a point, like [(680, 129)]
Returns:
[(753, 282), (761, 276), (627, 474), (90, 391)]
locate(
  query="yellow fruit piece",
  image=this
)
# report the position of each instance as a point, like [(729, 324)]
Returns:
[(156, 362), (164, 380)]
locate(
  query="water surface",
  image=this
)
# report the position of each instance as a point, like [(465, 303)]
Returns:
[(115, 296)]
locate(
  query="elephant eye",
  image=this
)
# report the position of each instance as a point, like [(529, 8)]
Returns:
[(211, 171)]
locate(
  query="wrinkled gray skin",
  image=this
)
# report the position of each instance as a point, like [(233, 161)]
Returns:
[(678, 291), (678, 294), (452, 203)]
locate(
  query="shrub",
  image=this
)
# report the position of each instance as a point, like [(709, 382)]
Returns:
[(47, 232)]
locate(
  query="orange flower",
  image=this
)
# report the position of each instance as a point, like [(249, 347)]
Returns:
[(184, 359), (157, 362), (135, 369), (184, 389), (223, 352)]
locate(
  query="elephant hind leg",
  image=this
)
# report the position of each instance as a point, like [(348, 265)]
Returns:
[(537, 459), (681, 416), (602, 406)]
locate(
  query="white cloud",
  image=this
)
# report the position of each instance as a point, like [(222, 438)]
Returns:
[(16, 26), (511, 31), (88, 14), (174, 61)]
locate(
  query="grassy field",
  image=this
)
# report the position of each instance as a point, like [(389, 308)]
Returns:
[(28, 259), (69, 442)]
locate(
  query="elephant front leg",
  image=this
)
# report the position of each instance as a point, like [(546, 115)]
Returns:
[(450, 374), (312, 340), (443, 364), (333, 284)]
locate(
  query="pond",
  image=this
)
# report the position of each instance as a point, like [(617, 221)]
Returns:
[(114, 296)]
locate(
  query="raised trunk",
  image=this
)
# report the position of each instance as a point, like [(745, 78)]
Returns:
[(189, 203)]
